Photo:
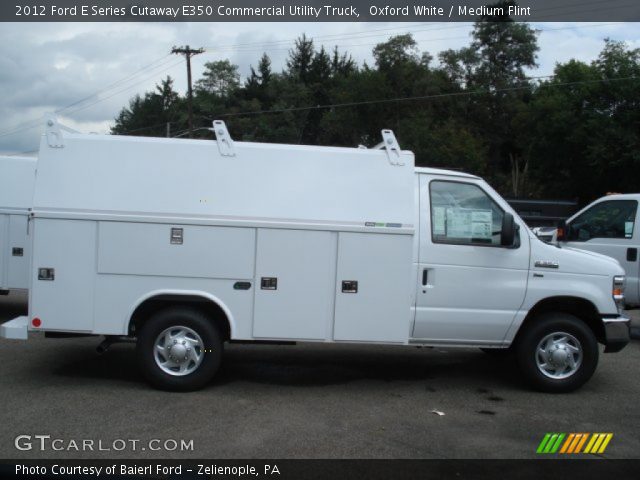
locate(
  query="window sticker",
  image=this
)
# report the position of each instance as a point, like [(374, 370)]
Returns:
[(469, 224), (439, 227), (628, 229), (459, 223)]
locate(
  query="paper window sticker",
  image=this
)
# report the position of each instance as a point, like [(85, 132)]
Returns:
[(439, 219), (628, 229)]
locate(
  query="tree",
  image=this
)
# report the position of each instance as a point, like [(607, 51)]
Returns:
[(300, 59), (586, 123), (397, 51), (148, 115), (220, 78)]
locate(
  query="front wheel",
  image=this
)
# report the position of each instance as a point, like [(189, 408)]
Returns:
[(557, 352), (179, 348)]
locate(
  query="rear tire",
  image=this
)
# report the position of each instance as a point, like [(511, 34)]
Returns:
[(179, 349), (557, 352)]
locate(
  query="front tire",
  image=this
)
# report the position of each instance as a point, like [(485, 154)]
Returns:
[(179, 349), (557, 352)]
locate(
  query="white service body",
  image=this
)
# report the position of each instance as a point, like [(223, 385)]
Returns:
[(17, 178), (119, 222)]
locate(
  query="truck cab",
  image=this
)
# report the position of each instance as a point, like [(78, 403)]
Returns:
[(609, 226)]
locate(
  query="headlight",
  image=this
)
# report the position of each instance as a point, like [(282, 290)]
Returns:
[(619, 282)]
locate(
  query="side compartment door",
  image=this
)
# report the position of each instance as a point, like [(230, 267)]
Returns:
[(609, 227), (294, 285), (4, 250), (469, 286), (373, 288), (18, 251)]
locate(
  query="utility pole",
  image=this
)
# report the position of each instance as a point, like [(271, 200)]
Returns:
[(188, 53)]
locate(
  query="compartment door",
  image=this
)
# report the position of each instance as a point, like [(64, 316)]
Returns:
[(378, 307), (4, 250), (294, 285), (19, 252)]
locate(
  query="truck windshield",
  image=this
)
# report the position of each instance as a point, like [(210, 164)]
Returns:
[(608, 219)]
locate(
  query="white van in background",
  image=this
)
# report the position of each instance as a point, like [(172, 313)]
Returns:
[(17, 177), (183, 245), (609, 226)]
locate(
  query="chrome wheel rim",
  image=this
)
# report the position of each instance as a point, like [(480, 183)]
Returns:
[(559, 355), (178, 351)]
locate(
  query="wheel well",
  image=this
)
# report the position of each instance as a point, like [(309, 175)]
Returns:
[(149, 307), (579, 307)]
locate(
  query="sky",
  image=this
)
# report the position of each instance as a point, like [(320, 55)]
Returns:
[(89, 71)]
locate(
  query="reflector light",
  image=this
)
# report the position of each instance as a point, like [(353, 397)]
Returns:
[(36, 322)]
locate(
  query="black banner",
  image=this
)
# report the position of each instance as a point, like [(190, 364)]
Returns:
[(320, 469), (315, 10)]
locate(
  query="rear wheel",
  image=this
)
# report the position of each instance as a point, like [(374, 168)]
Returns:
[(557, 352), (179, 348)]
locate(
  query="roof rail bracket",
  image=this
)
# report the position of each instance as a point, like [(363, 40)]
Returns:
[(390, 144), (225, 143), (53, 131)]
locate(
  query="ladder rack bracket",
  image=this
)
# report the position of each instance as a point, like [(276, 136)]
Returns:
[(390, 144), (225, 143)]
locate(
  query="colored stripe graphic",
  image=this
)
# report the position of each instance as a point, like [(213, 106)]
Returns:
[(550, 443), (567, 443), (598, 443), (572, 443), (543, 443), (582, 441)]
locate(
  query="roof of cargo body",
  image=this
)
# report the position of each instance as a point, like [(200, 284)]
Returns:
[(143, 177), (448, 173), (17, 176)]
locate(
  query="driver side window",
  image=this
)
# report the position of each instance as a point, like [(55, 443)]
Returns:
[(608, 219), (463, 214)]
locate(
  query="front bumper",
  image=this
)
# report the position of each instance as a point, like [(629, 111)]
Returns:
[(616, 333)]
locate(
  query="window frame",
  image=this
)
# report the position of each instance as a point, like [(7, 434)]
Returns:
[(569, 239), (516, 242)]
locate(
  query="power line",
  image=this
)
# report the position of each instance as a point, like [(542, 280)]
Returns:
[(420, 97), (37, 122), (146, 79), (114, 84)]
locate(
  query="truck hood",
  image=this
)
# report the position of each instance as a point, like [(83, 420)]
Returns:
[(573, 260)]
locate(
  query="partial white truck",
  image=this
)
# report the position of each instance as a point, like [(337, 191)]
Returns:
[(609, 226), (184, 245), (17, 178)]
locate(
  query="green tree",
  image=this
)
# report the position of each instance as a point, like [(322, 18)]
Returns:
[(148, 115), (220, 78)]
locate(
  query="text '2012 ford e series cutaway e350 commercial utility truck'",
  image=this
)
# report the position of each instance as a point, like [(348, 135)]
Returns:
[(184, 245)]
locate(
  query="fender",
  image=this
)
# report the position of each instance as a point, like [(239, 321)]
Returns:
[(183, 293)]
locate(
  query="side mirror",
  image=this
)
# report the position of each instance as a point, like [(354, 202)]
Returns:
[(508, 231), (561, 232)]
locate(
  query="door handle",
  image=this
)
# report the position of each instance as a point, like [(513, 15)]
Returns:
[(632, 254), (425, 277)]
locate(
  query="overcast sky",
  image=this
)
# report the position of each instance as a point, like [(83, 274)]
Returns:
[(50, 66)]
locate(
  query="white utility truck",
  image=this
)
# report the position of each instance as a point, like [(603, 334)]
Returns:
[(609, 226), (186, 244), (17, 177)]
